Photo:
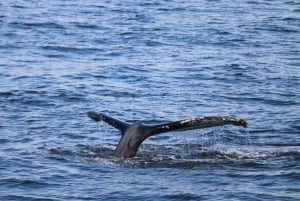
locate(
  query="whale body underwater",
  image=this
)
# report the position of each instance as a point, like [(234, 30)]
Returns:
[(133, 135)]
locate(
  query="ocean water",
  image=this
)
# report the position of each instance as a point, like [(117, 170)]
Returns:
[(153, 62)]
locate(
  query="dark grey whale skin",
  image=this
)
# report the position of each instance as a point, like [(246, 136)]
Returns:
[(134, 135)]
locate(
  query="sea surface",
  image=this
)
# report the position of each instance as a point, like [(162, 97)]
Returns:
[(154, 62)]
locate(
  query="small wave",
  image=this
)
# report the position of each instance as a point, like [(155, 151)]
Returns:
[(13, 182), (183, 196), (6, 94), (33, 183), (23, 197), (86, 50), (277, 28), (293, 19), (86, 26), (28, 25)]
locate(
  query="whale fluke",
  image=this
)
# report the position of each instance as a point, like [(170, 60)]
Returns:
[(97, 116), (133, 135)]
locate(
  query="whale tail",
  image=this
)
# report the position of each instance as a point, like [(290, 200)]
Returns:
[(134, 135)]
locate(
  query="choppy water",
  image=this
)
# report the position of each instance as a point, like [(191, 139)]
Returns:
[(153, 61)]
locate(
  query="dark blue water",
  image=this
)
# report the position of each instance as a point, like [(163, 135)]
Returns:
[(153, 61)]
